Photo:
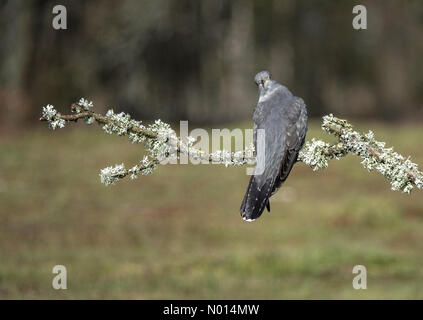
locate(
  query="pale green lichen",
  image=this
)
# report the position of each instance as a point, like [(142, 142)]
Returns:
[(84, 104), (111, 175), (53, 117), (313, 154)]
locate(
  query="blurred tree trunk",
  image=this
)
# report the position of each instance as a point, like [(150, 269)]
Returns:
[(15, 25)]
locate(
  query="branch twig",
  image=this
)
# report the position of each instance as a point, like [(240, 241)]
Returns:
[(162, 144)]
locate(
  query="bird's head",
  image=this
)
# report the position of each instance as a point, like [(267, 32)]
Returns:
[(262, 78)]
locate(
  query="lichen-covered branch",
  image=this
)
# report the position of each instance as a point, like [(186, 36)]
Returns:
[(163, 146), (159, 140), (401, 172)]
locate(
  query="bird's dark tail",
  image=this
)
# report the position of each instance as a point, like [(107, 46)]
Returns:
[(255, 200)]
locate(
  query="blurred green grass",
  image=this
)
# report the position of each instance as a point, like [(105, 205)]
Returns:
[(177, 233)]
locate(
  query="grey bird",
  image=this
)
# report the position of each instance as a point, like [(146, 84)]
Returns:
[(283, 117)]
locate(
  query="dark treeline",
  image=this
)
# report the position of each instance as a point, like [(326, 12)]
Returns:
[(195, 60)]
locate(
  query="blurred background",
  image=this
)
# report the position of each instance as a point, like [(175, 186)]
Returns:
[(178, 233)]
